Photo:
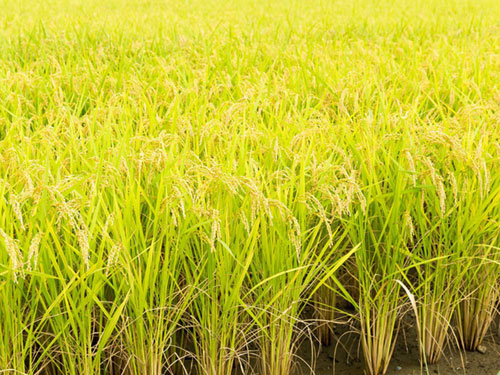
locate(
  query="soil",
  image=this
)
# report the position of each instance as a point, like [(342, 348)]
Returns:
[(405, 360)]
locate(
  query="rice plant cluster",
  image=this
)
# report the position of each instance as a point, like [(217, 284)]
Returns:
[(196, 187)]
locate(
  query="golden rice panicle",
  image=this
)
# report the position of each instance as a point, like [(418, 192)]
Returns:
[(437, 181), (257, 199), (65, 210), (409, 224), (109, 222), (361, 199), (215, 232), (33, 252), (84, 247), (179, 196), (113, 256), (16, 207), (454, 188), (411, 165), (244, 220), (351, 190), (29, 182), (175, 218), (79, 227), (337, 203), (15, 256), (294, 229), (82, 235), (318, 209)]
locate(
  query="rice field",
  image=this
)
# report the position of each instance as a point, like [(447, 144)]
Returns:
[(204, 187)]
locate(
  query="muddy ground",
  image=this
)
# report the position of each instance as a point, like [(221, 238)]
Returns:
[(405, 360)]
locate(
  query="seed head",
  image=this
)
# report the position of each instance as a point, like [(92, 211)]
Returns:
[(14, 252), (454, 188), (215, 230), (113, 255), (109, 222), (16, 207), (33, 252), (295, 235), (320, 210), (411, 165), (244, 220), (437, 181), (82, 236), (409, 224)]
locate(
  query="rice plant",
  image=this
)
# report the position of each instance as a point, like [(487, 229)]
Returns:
[(183, 184)]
